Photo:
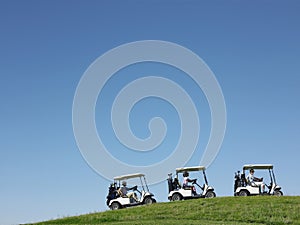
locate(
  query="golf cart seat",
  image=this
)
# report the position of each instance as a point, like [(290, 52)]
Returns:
[(244, 181), (187, 187), (176, 184), (120, 194)]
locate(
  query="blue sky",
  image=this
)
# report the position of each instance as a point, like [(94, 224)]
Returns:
[(45, 47)]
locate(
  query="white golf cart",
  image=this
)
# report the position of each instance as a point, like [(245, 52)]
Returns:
[(177, 192), (115, 201), (242, 187)]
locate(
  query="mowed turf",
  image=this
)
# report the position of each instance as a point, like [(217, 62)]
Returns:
[(223, 210)]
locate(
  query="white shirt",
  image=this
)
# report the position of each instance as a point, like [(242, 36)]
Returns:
[(124, 190), (250, 178), (185, 181)]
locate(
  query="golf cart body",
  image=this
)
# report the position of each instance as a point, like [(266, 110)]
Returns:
[(242, 187), (177, 192), (115, 201)]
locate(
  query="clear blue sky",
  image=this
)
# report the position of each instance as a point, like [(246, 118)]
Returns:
[(45, 46)]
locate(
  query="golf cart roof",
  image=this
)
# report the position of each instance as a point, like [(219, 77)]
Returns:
[(193, 168), (258, 166), (129, 176)]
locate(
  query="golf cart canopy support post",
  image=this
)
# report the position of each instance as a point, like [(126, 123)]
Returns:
[(274, 177), (205, 178), (145, 184)]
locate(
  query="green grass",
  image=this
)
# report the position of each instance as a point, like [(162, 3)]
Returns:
[(223, 210)]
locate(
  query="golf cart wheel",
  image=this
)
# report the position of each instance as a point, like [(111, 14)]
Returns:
[(278, 193), (243, 193), (210, 194), (176, 197), (115, 206), (149, 201)]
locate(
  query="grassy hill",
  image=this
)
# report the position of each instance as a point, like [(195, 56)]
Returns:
[(223, 210)]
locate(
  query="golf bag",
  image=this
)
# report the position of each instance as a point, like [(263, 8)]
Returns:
[(112, 193)]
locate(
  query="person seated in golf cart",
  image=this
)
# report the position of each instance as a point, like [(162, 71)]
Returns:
[(187, 180), (123, 191), (254, 181)]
